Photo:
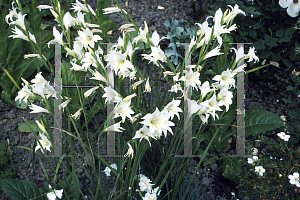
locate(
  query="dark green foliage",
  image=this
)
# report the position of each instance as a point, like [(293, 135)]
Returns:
[(178, 34)]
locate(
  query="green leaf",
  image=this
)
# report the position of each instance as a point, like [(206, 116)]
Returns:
[(7, 97), (273, 42), (42, 37), (279, 33), (14, 52), (288, 32), (20, 189), (108, 26), (287, 63), (25, 128), (70, 186), (285, 39), (252, 33), (3, 34), (261, 121), (290, 88), (231, 166), (267, 38), (256, 26), (259, 45), (24, 69)]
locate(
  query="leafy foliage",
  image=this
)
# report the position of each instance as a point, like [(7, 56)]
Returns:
[(261, 121), (178, 34)]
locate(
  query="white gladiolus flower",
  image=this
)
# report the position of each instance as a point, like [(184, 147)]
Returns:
[(77, 67), (88, 60), (130, 50), (98, 76), (24, 93), (115, 127), (157, 54), (33, 56), (142, 34), (81, 7), (147, 86), (173, 108), (19, 34), (40, 7), (137, 83), (233, 13), (114, 96), (260, 170), (86, 38), (226, 78), (205, 88), (191, 79), (251, 55), (41, 126), (37, 109), (214, 52), (225, 98), (77, 114), (69, 21), (20, 21), (46, 144), (123, 110), (58, 37), (129, 152), (39, 79), (89, 92), (129, 97), (64, 104), (176, 87), (118, 62), (155, 39), (213, 106), (144, 133), (158, 121), (12, 13), (292, 5), (145, 185), (110, 10)]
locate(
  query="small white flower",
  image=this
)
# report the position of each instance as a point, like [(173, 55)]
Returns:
[(283, 136), (294, 179), (107, 170), (260, 170), (292, 5), (55, 193)]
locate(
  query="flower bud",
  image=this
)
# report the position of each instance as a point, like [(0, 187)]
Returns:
[(54, 13)]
